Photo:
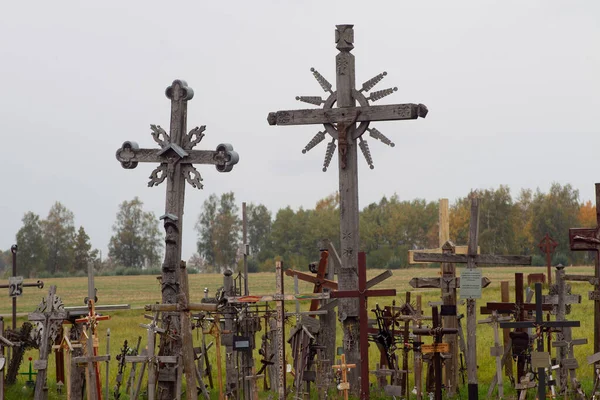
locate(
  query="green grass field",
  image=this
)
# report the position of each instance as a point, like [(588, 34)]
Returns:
[(140, 290)]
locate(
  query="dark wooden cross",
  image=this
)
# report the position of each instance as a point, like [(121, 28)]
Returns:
[(320, 281), (176, 158), (340, 124), (472, 259), (588, 239), (362, 294), (437, 331), (547, 245), (50, 313), (540, 325)]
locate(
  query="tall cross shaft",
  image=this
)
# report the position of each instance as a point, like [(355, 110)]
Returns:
[(588, 239), (472, 259), (176, 157), (349, 137)]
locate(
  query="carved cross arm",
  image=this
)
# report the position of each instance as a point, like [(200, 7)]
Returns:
[(479, 259)]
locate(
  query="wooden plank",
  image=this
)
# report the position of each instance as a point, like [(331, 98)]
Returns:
[(569, 299), (457, 249), (490, 259), (435, 348), (347, 113), (435, 283)]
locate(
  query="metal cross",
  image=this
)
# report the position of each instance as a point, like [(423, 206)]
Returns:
[(340, 124), (176, 158)]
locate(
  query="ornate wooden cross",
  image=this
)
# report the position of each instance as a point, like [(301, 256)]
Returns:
[(50, 314), (340, 124), (547, 245), (472, 259), (588, 239), (176, 158), (540, 325), (437, 331)]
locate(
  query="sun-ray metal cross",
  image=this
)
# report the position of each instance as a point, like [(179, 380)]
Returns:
[(341, 125), (176, 158)]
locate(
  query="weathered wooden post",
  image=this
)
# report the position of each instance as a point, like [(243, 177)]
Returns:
[(280, 321), (497, 351), (471, 286), (4, 342), (350, 138), (176, 157), (229, 313)]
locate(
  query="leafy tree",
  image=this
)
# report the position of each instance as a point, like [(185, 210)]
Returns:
[(259, 231), (205, 226), (196, 262), (82, 251), (32, 254), (58, 231), (136, 242), (522, 223), (496, 234), (587, 215)]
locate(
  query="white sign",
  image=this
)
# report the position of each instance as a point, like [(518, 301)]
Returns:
[(15, 286), (470, 283)]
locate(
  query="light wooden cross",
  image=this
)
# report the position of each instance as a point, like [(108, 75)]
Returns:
[(472, 259), (254, 377), (50, 314), (497, 350), (540, 325), (176, 158), (340, 124), (344, 367), (588, 239)]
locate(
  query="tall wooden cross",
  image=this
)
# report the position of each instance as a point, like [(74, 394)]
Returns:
[(340, 124), (472, 259), (588, 239), (547, 246), (176, 158), (540, 325)]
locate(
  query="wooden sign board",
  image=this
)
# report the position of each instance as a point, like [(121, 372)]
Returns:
[(540, 359), (570, 363), (470, 285), (435, 348), (344, 386), (393, 390), (496, 351)]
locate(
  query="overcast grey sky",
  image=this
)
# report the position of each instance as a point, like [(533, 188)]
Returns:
[(513, 90)]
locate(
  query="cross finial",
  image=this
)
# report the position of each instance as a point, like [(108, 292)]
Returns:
[(344, 37), (179, 90)]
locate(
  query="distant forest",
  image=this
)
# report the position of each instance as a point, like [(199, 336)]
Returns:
[(388, 229)]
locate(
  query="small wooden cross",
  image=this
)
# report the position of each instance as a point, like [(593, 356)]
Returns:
[(50, 313), (540, 325), (547, 245), (343, 367), (472, 259), (588, 239), (437, 331), (497, 350), (319, 281)]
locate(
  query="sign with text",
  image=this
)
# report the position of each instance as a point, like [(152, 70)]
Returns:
[(15, 286), (470, 283), (435, 348)]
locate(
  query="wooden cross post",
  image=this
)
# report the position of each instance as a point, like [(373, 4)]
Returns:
[(4, 342), (176, 157), (343, 367), (588, 239), (50, 313), (437, 331), (362, 294), (280, 333), (540, 359), (547, 246), (254, 377), (350, 138), (473, 290), (497, 350)]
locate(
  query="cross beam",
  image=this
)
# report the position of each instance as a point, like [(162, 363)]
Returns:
[(341, 125)]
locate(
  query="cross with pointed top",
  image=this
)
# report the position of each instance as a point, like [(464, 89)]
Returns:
[(176, 158), (341, 124)]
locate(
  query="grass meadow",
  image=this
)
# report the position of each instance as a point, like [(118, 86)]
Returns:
[(140, 290)]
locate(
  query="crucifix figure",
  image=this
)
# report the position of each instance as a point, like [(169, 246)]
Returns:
[(588, 239), (472, 259), (540, 359), (176, 158), (340, 124), (547, 246)]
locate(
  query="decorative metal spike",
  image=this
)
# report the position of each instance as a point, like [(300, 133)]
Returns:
[(380, 94), (194, 137), (368, 85), (322, 81), (329, 154), (319, 137), (192, 175), (316, 100), (157, 131), (364, 147), (375, 134), (158, 175)]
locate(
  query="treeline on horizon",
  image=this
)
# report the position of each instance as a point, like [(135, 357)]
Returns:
[(388, 229)]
